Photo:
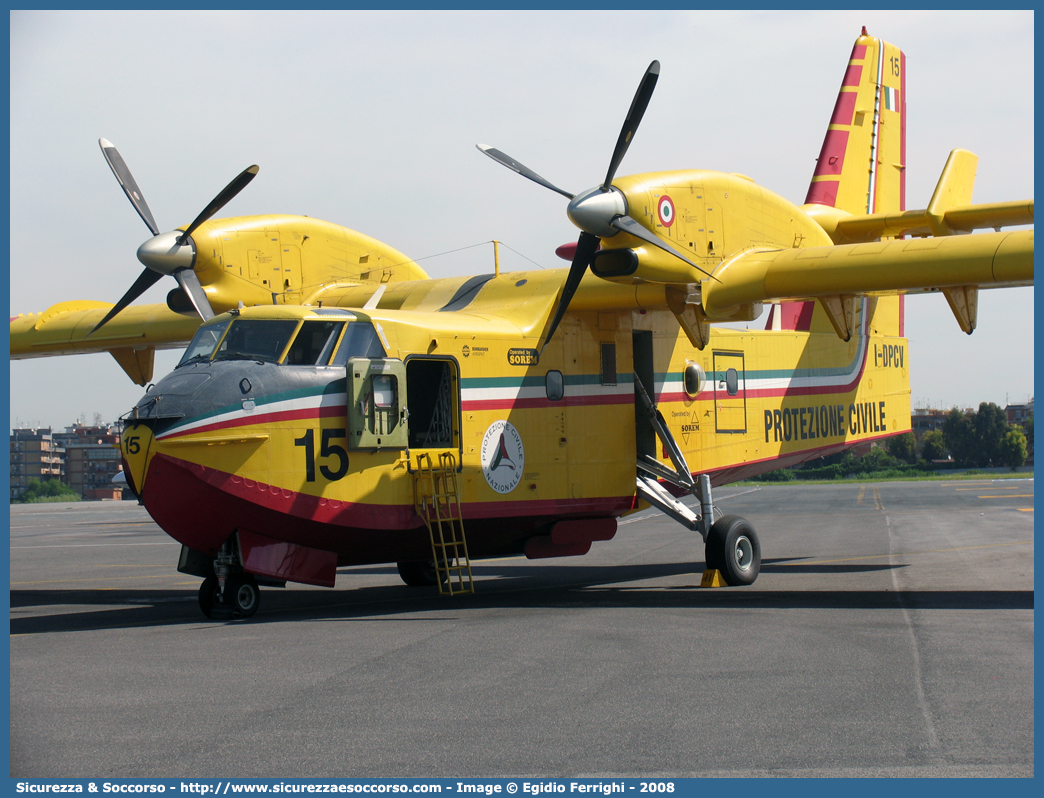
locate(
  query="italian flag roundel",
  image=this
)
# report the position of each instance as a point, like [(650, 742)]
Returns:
[(665, 210)]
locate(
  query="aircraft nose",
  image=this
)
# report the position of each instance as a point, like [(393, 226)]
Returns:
[(136, 449), (165, 254)]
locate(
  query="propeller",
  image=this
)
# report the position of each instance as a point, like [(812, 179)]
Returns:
[(600, 212), (172, 253)]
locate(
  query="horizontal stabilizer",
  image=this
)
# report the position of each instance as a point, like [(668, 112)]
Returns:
[(949, 212), (853, 229)]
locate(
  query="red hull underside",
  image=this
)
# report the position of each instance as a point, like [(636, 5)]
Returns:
[(201, 508)]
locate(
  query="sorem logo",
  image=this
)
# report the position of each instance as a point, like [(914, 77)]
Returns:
[(503, 456)]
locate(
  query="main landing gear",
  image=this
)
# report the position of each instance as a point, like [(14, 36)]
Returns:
[(731, 544)]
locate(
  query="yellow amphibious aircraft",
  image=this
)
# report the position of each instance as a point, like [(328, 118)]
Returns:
[(338, 407)]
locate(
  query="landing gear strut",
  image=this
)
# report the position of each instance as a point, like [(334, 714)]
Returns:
[(732, 546), (241, 595)]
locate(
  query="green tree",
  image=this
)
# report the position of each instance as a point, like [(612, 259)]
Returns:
[(1012, 448), (991, 425), (959, 434), (903, 447), (48, 490), (974, 438), (877, 459), (933, 445)]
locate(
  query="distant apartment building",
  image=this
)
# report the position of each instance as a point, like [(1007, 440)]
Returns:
[(85, 458), (34, 455), (1019, 414), (92, 459), (926, 419)]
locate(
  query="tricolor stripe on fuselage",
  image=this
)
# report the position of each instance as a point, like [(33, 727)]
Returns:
[(511, 393)]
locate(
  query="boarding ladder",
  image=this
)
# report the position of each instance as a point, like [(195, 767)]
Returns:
[(437, 500)]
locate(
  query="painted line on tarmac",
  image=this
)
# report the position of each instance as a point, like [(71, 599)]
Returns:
[(974, 482), (918, 671), (876, 495), (994, 487)]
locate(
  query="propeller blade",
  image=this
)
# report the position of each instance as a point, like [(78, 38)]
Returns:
[(525, 171), (130, 188), (630, 226), (222, 199), (145, 280), (189, 283), (634, 118), (585, 250)]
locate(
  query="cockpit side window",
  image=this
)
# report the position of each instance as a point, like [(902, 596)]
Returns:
[(256, 339), (314, 343), (203, 342), (360, 340)]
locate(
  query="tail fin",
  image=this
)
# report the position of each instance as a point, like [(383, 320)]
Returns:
[(862, 166)]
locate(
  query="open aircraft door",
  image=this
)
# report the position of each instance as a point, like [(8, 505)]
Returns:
[(433, 395), (377, 403), (730, 394)]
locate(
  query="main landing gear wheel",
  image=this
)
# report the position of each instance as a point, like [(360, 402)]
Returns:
[(418, 573), (734, 550), (242, 596)]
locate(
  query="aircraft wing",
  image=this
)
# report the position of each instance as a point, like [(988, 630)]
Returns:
[(956, 266), (132, 337)]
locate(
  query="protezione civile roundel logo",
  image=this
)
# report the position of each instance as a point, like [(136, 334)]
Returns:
[(503, 456)]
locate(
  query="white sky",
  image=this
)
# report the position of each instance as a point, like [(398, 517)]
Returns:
[(369, 119)]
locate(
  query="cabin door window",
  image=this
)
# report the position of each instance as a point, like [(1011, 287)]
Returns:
[(377, 403)]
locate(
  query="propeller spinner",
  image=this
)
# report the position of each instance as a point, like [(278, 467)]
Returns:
[(172, 253), (600, 212)]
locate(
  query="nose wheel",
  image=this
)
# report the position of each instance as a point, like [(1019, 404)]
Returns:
[(418, 573), (241, 597), (734, 550)]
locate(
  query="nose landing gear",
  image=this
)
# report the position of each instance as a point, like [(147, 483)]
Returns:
[(240, 599), (230, 592)]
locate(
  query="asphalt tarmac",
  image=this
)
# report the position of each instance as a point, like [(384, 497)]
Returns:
[(889, 634)]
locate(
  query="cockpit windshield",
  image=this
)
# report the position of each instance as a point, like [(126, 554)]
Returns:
[(266, 339), (203, 342), (256, 339)]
